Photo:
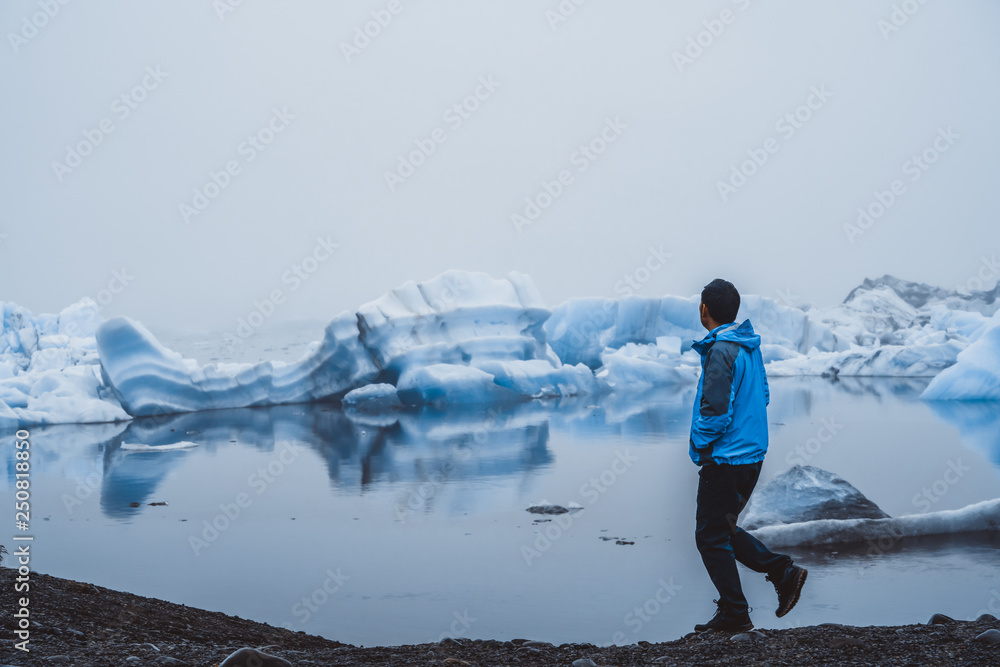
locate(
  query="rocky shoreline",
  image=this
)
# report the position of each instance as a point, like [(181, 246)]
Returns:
[(81, 624)]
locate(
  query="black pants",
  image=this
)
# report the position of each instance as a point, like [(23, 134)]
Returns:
[(723, 492)]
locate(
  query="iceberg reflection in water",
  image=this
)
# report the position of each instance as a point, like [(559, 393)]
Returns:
[(977, 421), (422, 514)]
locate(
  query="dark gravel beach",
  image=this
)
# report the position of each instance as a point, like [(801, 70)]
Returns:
[(76, 623)]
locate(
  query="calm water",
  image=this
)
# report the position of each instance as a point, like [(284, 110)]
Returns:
[(405, 530)]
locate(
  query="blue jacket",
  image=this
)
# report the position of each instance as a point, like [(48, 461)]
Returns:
[(729, 420)]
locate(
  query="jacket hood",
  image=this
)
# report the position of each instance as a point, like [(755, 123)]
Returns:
[(737, 333)]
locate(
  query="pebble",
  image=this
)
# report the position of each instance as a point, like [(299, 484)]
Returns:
[(168, 661), (584, 662), (537, 644), (989, 618), (748, 636), (450, 641), (133, 658), (940, 619), (991, 636), (248, 657)]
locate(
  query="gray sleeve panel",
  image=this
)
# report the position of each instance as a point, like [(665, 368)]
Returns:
[(717, 386)]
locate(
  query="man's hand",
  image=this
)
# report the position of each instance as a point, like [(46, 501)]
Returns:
[(704, 455)]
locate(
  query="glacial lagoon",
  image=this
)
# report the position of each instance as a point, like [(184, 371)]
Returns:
[(408, 527)]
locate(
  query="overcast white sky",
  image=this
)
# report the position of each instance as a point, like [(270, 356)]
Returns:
[(343, 121)]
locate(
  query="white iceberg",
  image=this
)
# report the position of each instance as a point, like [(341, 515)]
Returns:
[(976, 375), (49, 369), (638, 367), (376, 397)]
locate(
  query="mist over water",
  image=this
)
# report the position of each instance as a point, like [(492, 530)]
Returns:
[(328, 152)]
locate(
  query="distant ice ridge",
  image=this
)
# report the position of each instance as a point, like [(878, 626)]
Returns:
[(469, 338)]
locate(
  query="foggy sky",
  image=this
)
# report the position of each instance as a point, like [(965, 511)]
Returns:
[(309, 118)]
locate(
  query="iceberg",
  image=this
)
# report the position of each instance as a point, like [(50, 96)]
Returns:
[(580, 329), (149, 379), (916, 360), (885, 327), (641, 367), (49, 368), (807, 493), (459, 338), (976, 375), (809, 506), (378, 397), (456, 318), (444, 384), (977, 518)]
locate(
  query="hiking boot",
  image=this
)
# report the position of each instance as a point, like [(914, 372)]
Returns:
[(788, 586), (726, 620)]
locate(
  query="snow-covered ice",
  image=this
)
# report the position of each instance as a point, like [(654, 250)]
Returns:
[(977, 518), (49, 370), (808, 506)]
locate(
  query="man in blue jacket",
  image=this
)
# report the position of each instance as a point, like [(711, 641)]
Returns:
[(728, 441)]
